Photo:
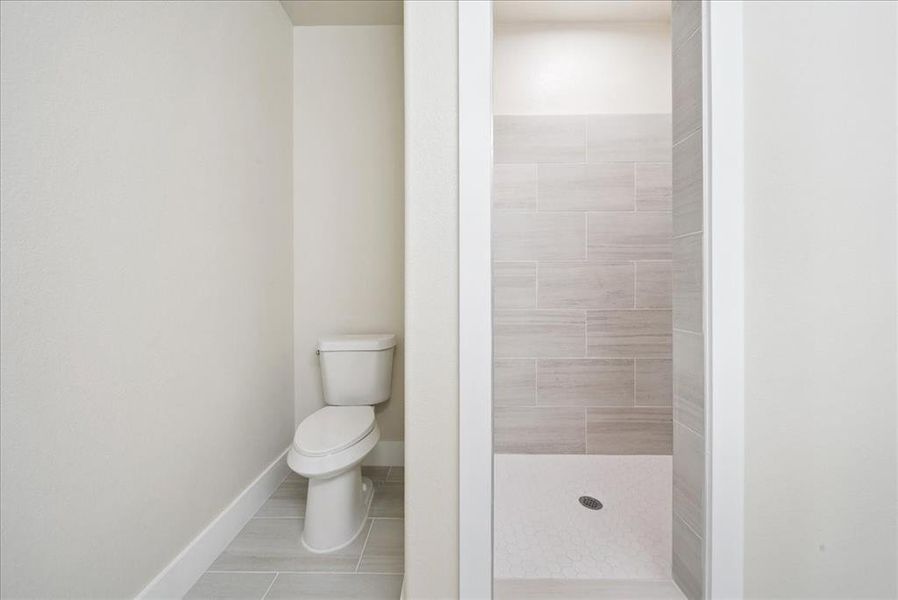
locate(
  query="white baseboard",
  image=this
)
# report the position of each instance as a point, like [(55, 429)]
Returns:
[(178, 577), (386, 454)]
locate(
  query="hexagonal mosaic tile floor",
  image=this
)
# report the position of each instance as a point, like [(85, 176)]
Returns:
[(543, 532)]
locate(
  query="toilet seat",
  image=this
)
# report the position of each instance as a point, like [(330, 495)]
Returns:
[(332, 440), (332, 429)]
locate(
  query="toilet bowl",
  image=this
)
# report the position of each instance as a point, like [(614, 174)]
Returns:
[(331, 443), (328, 449)]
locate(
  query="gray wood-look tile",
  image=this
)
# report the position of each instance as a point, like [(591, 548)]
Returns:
[(388, 501), (686, 563), (290, 586), (514, 285), (689, 477), (289, 500), (585, 589), (539, 236), (595, 186), (629, 333), (653, 382), (687, 185), (375, 474), (539, 139), (689, 380), (686, 87), (514, 187), (687, 282), (538, 333), (640, 430), (629, 138), (384, 548), (397, 475), (629, 236), (688, 369), (686, 17), (274, 545), (585, 285), (230, 586), (539, 430), (653, 186), (585, 382), (514, 382), (653, 285)]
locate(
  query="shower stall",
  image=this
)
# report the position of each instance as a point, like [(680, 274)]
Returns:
[(582, 302), (598, 312)]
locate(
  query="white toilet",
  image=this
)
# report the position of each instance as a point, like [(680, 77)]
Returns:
[(330, 444)]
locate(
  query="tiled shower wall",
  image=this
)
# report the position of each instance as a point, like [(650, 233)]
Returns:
[(582, 284), (688, 342)]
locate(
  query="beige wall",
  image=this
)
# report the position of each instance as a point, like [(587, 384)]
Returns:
[(820, 159), (146, 347), (348, 199), (431, 299), (581, 68)]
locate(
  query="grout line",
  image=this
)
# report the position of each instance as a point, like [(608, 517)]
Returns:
[(566, 358), (270, 585), (681, 236), (684, 425), (586, 235), (688, 526), (625, 212), (307, 572), (536, 382), (680, 330), (365, 545), (242, 572), (536, 285), (686, 136), (585, 430), (698, 28), (575, 309), (585, 333)]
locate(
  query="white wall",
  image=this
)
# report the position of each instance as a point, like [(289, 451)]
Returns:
[(820, 158), (146, 356), (581, 68), (431, 299), (348, 199)]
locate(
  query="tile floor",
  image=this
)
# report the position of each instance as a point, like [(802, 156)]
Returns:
[(267, 561), (542, 532)]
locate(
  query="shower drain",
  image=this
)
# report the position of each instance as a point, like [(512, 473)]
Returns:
[(590, 502)]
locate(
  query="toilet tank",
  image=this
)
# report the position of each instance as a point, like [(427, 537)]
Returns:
[(356, 370)]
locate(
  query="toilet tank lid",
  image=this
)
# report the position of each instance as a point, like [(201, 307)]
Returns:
[(356, 343)]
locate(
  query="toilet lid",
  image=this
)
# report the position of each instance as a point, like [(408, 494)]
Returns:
[(333, 428)]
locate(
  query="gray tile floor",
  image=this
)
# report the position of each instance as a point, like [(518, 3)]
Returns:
[(266, 559)]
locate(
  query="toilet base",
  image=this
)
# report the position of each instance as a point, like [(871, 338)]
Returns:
[(336, 511)]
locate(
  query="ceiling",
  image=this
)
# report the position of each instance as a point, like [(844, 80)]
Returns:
[(389, 12), (609, 11), (344, 12)]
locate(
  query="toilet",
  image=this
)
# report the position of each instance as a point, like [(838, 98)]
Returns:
[(330, 444)]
